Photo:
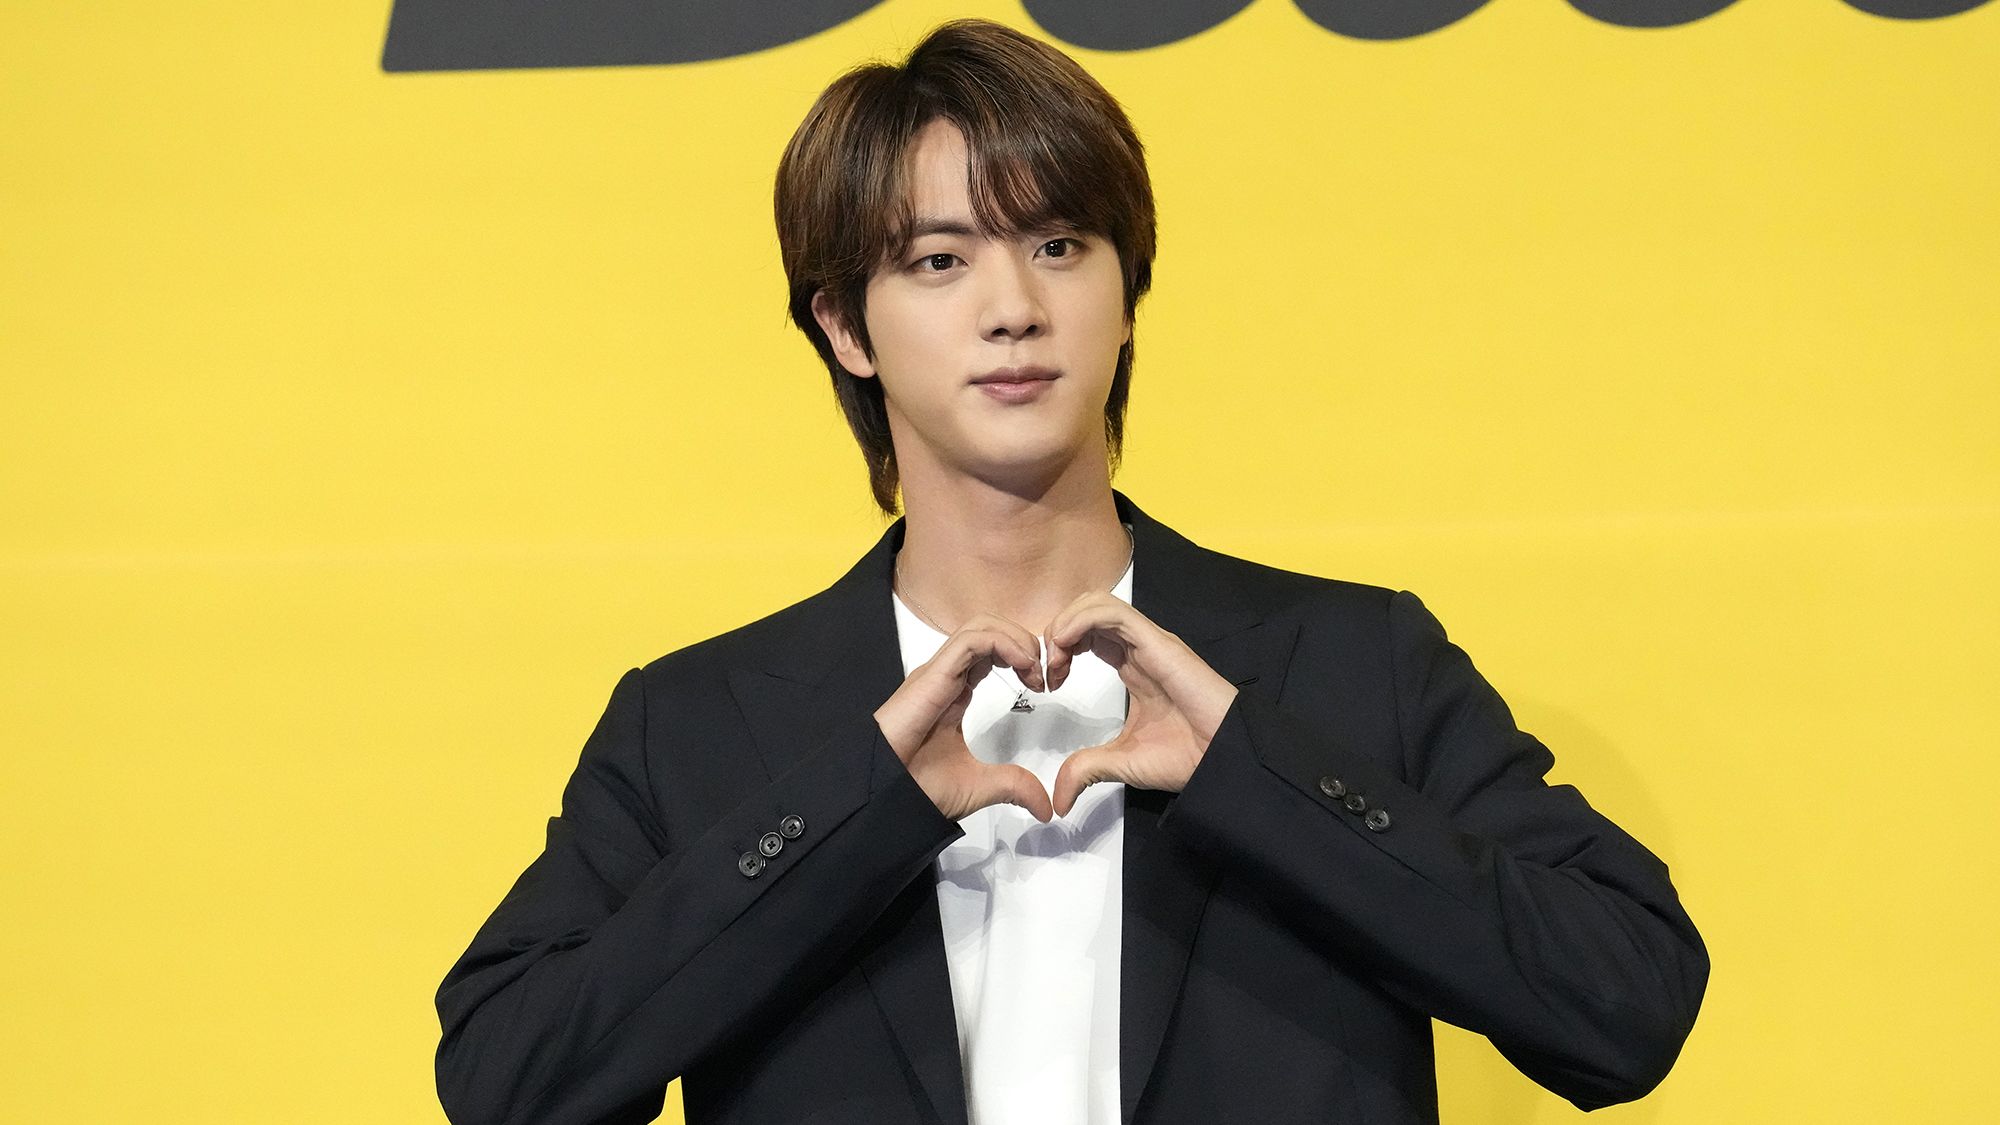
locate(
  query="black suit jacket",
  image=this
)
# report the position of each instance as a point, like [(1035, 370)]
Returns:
[(1367, 843)]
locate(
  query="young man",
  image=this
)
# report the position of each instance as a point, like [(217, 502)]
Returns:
[(1043, 812)]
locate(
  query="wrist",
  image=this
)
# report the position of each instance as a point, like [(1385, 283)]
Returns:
[(890, 735)]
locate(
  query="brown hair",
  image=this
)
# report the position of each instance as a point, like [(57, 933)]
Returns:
[(1045, 144)]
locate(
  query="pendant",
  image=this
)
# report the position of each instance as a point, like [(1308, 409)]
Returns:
[(1021, 701)]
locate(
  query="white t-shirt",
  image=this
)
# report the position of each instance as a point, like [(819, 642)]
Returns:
[(1032, 912)]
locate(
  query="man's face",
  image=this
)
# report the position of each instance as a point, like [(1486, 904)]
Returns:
[(959, 307)]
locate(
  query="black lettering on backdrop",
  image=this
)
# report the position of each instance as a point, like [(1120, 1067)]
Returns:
[(497, 34), (1386, 19), (1129, 25), (1649, 13), (493, 34), (1915, 9)]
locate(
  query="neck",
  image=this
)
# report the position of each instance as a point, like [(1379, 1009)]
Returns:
[(972, 548)]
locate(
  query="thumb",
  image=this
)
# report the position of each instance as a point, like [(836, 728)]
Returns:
[(954, 712), (1014, 785), (1078, 772)]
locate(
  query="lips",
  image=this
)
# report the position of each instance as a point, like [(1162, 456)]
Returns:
[(1017, 375)]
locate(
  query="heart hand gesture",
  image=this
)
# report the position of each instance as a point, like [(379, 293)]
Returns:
[(1175, 700), (921, 721)]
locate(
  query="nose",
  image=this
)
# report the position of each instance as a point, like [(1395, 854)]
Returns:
[(1014, 308)]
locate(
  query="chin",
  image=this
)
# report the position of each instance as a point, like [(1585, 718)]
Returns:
[(1028, 460)]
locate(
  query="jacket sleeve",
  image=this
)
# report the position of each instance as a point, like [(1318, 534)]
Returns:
[(614, 964), (1460, 880)]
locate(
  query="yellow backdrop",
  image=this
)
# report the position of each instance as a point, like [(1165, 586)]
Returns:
[(360, 429)]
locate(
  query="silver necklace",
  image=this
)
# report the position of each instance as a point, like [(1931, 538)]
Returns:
[(1021, 692)]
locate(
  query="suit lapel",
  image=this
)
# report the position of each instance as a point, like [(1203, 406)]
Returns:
[(911, 980), (1200, 597), (829, 658), (836, 655), (789, 693)]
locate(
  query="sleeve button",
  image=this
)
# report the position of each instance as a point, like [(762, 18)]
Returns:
[(750, 864), (1333, 787), (792, 827), (1355, 803), (770, 844), (1377, 821)]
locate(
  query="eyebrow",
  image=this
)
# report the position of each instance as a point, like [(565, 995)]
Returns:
[(932, 224), (936, 224)]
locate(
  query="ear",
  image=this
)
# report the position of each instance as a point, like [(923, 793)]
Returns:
[(846, 348)]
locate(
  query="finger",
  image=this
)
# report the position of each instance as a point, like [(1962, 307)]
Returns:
[(1094, 620), (1022, 650), (1107, 648), (956, 709), (1029, 670), (1016, 786), (1030, 646), (974, 650), (1080, 771), (1061, 621)]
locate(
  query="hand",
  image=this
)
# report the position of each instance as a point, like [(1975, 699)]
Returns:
[(1175, 700), (921, 721)]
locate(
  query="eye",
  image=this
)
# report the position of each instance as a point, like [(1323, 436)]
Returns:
[(1061, 247), (934, 263)]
